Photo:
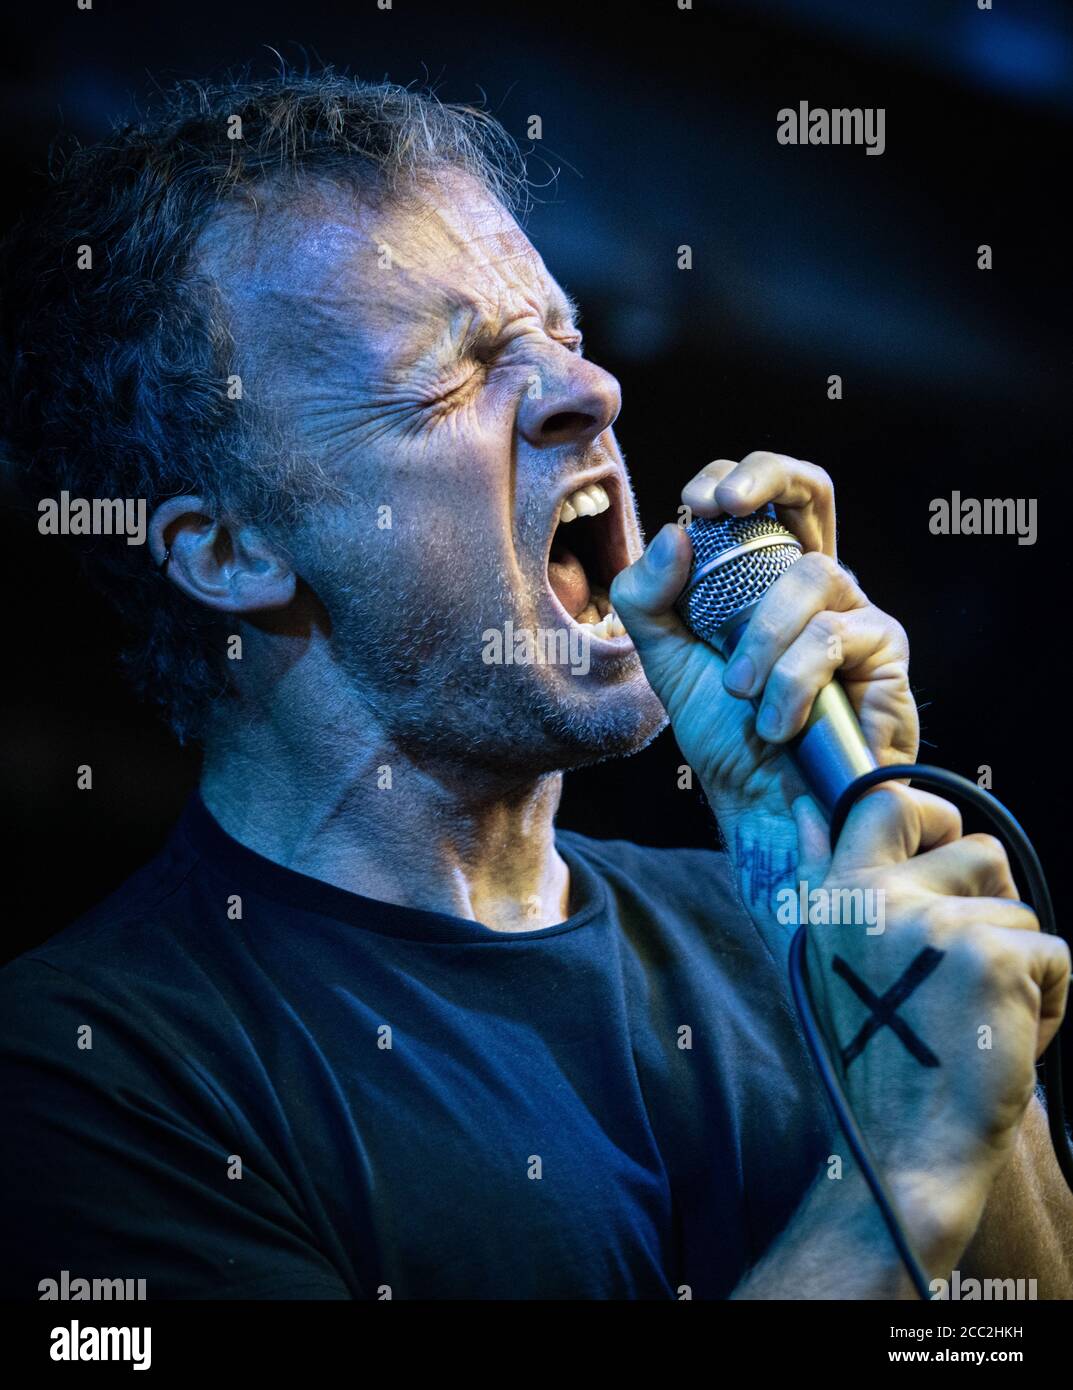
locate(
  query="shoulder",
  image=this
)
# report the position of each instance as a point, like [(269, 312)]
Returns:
[(115, 963), (108, 1025)]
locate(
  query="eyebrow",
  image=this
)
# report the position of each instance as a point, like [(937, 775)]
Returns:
[(457, 305), (563, 309)]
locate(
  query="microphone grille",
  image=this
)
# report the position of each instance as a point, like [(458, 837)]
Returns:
[(735, 561)]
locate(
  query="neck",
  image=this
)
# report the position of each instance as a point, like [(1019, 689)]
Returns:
[(361, 813)]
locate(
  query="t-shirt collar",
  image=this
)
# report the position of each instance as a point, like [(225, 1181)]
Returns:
[(251, 872)]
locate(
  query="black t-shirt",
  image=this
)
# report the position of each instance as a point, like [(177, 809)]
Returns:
[(333, 1097)]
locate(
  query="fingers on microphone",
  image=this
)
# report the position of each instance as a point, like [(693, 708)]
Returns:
[(855, 641), (893, 822), (699, 493), (802, 493), (815, 584)]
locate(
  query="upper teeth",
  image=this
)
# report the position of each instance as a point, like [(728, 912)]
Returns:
[(587, 501)]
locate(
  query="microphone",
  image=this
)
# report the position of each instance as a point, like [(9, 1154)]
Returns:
[(735, 561)]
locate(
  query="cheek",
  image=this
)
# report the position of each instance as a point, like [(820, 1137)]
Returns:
[(470, 446), (430, 566), (430, 519)]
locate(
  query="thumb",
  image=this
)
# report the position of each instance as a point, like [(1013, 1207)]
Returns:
[(677, 665), (643, 595)]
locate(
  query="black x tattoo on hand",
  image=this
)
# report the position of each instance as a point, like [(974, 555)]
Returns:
[(884, 1008)]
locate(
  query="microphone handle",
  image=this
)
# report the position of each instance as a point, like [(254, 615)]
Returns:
[(830, 750)]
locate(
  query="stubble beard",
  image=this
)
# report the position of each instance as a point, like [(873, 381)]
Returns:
[(420, 667)]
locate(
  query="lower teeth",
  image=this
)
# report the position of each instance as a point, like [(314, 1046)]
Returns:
[(600, 618)]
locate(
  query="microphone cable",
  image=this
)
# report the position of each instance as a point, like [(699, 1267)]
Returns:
[(1030, 874)]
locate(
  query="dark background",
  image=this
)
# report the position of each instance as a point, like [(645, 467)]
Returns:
[(807, 261)]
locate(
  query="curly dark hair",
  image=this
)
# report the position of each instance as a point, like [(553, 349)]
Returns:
[(116, 376)]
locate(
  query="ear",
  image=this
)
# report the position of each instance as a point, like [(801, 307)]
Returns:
[(219, 563)]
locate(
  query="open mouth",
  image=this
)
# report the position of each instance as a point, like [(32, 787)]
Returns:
[(588, 548)]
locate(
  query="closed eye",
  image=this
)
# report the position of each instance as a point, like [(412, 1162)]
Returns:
[(480, 344)]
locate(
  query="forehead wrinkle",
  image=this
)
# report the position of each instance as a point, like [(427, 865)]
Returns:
[(457, 317), (518, 253), (504, 296), (318, 282), (452, 237)]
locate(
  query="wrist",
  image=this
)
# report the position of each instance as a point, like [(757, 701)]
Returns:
[(763, 850)]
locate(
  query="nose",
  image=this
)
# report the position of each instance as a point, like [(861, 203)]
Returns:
[(573, 406)]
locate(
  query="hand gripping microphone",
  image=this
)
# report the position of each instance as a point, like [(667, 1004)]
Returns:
[(735, 561)]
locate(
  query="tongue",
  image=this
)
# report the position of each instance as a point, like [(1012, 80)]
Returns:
[(569, 581)]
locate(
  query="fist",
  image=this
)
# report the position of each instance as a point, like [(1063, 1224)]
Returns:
[(812, 623), (936, 1021)]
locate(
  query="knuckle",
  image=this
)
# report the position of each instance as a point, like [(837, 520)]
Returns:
[(944, 916), (989, 959), (784, 681), (1006, 971), (990, 851), (764, 631), (888, 810), (954, 820), (845, 587), (899, 799), (899, 638), (944, 812), (821, 480), (821, 564), (1062, 953), (827, 627), (823, 573), (1053, 951)]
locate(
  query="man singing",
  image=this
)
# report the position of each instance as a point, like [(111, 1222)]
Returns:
[(370, 1026)]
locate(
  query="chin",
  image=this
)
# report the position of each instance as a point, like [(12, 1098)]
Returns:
[(617, 721)]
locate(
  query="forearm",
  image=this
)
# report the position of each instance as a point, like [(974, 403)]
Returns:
[(837, 1246), (1017, 1224), (1026, 1231)]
